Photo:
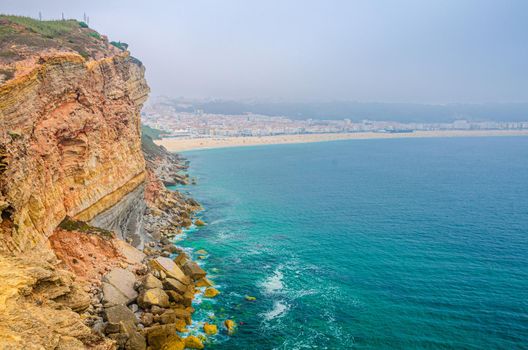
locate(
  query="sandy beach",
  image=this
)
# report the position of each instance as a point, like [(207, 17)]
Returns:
[(187, 144)]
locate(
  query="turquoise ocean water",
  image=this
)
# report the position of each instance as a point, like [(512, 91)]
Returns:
[(366, 244)]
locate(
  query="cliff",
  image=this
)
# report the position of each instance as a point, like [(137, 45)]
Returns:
[(69, 147), (71, 126)]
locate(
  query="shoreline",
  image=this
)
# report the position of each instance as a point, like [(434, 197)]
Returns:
[(189, 144)]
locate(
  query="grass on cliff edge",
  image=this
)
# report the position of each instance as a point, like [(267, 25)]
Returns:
[(21, 37), (49, 29)]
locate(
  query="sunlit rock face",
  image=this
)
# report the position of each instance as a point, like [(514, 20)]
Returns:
[(69, 142)]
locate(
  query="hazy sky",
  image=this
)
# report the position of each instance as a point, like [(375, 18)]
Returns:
[(373, 50)]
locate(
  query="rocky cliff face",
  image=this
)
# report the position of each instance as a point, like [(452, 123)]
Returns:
[(69, 147), (69, 141)]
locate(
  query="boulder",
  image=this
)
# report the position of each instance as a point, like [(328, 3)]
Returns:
[(174, 297), (202, 252), (112, 296), (150, 282), (181, 259), (182, 314), (193, 342), (175, 285), (187, 298), (170, 268), (158, 336), (135, 341), (204, 282), (230, 326), (147, 319), (210, 329), (123, 280), (131, 254), (194, 270), (174, 343), (156, 310), (199, 222), (155, 296), (211, 292), (119, 313)]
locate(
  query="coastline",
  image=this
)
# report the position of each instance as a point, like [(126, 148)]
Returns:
[(188, 144)]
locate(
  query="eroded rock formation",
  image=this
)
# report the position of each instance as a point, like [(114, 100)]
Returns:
[(70, 135)]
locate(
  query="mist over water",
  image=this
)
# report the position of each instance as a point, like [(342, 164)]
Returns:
[(372, 244)]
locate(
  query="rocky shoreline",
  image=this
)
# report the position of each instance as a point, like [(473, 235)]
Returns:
[(146, 301)]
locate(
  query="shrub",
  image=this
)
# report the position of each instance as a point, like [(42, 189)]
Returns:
[(120, 45), (83, 24), (95, 35)]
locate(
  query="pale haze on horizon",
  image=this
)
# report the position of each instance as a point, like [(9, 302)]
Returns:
[(390, 51)]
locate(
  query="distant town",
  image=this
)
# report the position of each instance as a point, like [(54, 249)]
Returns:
[(197, 124)]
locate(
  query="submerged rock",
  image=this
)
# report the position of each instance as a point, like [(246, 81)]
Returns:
[(230, 326), (250, 298), (210, 329), (204, 282), (193, 342), (174, 343), (211, 292)]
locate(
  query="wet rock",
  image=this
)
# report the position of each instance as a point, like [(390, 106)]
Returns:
[(193, 270), (123, 280), (193, 342), (204, 282), (210, 329), (150, 282), (188, 298), (155, 296), (211, 292), (174, 343), (230, 326), (171, 248), (199, 222), (202, 252), (182, 314), (250, 298)]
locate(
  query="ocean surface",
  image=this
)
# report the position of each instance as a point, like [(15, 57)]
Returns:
[(366, 244)]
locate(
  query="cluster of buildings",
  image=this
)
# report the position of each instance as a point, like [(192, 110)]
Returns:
[(199, 124)]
